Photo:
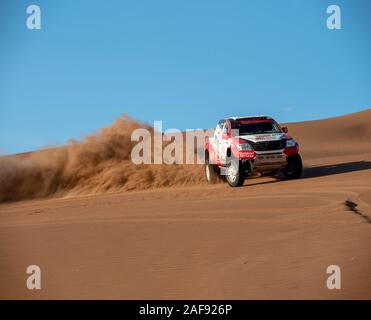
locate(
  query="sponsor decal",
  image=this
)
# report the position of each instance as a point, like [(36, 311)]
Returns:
[(254, 121)]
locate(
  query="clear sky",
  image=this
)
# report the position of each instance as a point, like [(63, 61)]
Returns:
[(188, 63)]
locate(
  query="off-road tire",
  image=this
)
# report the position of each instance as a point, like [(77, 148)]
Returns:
[(211, 173), (294, 167), (237, 177)]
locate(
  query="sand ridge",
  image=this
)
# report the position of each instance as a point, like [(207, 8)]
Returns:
[(269, 239)]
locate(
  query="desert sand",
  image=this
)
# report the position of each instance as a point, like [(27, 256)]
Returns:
[(101, 229)]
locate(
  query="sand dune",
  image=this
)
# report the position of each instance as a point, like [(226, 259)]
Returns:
[(340, 136), (180, 238), (101, 162)]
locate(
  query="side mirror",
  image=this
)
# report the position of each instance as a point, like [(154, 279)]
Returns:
[(285, 130)]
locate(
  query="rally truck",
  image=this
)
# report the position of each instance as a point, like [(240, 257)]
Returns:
[(245, 146)]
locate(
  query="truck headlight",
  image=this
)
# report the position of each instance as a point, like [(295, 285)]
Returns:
[(290, 143), (243, 147)]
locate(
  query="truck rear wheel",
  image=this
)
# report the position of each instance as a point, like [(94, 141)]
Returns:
[(294, 167), (235, 174), (211, 173)]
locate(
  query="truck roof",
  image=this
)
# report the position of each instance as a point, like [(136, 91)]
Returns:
[(250, 117)]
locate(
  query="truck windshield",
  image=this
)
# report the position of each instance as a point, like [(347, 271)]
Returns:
[(246, 127)]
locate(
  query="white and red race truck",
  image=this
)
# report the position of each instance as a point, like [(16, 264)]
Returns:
[(243, 146)]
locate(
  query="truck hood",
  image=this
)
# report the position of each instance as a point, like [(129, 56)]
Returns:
[(263, 137)]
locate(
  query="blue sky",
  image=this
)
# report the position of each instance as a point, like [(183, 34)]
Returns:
[(188, 63)]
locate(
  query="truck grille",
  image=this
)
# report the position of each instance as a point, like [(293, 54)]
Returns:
[(268, 145)]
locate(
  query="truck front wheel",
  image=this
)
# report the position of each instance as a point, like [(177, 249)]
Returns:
[(294, 167), (235, 174)]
